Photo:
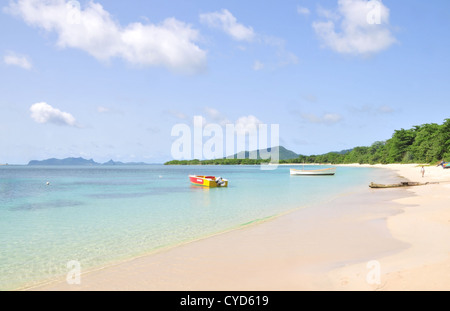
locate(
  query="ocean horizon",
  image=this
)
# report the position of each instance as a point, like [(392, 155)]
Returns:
[(101, 215)]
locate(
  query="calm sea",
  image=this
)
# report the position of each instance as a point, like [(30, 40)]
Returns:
[(101, 215)]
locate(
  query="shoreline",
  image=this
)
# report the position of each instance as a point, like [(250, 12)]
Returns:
[(161, 249), (425, 224), (261, 256), (58, 281)]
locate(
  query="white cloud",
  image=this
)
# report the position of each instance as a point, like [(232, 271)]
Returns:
[(225, 21), (247, 124), (243, 125), (303, 11), (170, 44), (11, 58), (364, 27), (44, 113), (327, 118)]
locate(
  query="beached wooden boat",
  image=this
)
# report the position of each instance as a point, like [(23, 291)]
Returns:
[(321, 172), (401, 184), (208, 181)]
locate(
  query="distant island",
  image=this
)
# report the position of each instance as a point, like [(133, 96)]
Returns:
[(426, 143), (80, 161)]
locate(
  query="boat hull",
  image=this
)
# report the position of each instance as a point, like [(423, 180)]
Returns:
[(207, 181), (322, 172), (401, 184)]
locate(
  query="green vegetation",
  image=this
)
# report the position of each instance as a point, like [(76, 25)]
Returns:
[(241, 158), (218, 162), (283, 154), (427, 143)]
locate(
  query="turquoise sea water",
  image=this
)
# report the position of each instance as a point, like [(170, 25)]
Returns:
[(100, 215)]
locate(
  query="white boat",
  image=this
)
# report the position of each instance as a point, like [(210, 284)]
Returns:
[(325, 171)]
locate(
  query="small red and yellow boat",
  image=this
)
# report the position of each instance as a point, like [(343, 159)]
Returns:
[(208, 181)]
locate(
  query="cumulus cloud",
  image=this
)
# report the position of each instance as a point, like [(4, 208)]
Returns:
[(171, 44), (11, 58), (243, 125), (247, 124), (225, 21), (44, 113), (363, 27)]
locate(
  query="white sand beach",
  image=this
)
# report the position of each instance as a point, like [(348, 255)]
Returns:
[(425, 225), (374, 239)]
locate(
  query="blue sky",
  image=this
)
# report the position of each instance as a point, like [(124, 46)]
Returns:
[(110, 79)]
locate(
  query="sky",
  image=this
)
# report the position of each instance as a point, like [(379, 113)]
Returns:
[(112, 79)]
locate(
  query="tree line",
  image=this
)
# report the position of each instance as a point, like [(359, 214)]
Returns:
[(427, 143), (218, 162)]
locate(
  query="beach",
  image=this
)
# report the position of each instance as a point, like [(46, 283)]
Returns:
[(425, 225), (370, 239)]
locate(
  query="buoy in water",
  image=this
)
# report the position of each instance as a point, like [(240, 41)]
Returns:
[(48, 183)]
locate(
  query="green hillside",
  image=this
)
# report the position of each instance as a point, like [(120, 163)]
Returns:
[(284, 154), (427, 143), (243, 157)]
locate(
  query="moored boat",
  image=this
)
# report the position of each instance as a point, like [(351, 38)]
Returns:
[(208, 181), (325, 171)]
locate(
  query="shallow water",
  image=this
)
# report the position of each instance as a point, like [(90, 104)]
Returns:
[(99, 215)]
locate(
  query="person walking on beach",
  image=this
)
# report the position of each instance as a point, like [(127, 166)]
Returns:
[(422, 170)]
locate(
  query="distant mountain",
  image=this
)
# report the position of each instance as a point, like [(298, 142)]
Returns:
[(66, 161), (284, 154), (80, 161), (342, 151)]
